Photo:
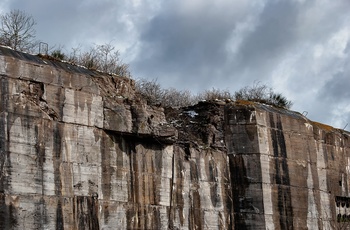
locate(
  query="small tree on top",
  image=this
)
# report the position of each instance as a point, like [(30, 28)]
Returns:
[(17, 30)]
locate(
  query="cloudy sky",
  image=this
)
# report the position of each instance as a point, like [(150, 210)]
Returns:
[(301, 48)]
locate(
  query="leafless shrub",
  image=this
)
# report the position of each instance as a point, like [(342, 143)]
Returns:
[(175, 98), (89, 59), (98, 57), (108, 61), (214, 94), (73, 56), (151, 91), (257, 92), (154, 94), (263, 94), (122, 69)]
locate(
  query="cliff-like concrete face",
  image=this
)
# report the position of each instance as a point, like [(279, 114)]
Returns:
[(79, 150), (293, 170)]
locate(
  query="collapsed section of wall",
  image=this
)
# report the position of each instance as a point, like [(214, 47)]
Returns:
[(80, 151)]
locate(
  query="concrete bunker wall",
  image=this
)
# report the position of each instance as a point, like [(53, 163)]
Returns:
[(295, 170), (80, 151)]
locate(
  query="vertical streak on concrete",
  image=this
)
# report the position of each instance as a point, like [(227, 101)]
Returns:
[(245, 168), (172, 186), (239, 184), (179, 191), (3, 65), (57, 144), (8, 218), (106, 173), (213, 176), (282, 179), (324, 195), (343, 188), (195, 220), (164, 192), (131, 216), (40, 215), (265, 178), (4, 146), (312, 212), (228, 202), (347, 171)]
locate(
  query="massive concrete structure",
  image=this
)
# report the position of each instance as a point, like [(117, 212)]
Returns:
[(79, 150)]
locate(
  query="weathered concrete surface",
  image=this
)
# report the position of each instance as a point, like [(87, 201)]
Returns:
[(293, 169), (78, 150)]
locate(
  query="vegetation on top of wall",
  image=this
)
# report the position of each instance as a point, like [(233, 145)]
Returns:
[(263, 94), (154, 94), (98, 57), (17, 31), (214, 94)]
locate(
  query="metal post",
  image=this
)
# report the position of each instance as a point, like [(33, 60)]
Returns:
[(43, 48)]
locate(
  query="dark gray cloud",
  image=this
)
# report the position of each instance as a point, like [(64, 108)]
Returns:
[(336, 89), (274, 33), (335, 94), (186, 40), (298, 47)]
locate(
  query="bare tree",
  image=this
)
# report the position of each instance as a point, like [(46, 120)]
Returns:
[(89, 59), (98, 57), (106, 58), (109, 60), (17, 30)]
